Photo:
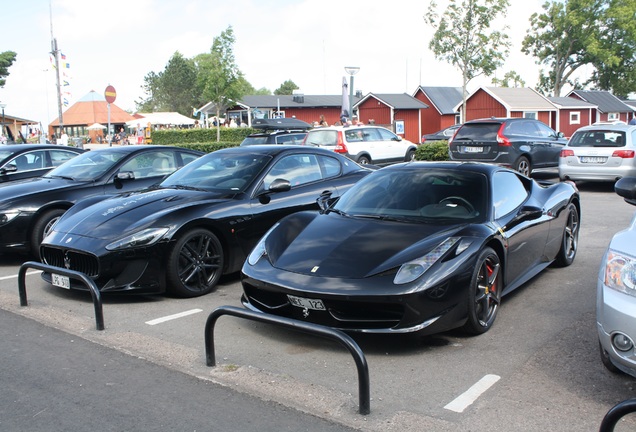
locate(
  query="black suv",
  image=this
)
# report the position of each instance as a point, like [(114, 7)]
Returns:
[(521, 143), (277, 131)]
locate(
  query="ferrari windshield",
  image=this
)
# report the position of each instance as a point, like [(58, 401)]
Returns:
[(419, 195), (87, 166), (219, 171)]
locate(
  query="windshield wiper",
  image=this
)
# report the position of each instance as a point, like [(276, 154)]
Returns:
[(185, 187), (337, 211), (61, 176)]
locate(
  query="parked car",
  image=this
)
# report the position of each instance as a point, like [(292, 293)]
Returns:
[(414, 247), (442, 135), (199, 223), (601, 152), (28, 208), (277, 131), (616, 293), (363, 144), (519, 143), (20, 161)]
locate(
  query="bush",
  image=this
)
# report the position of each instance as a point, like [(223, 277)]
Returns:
[(433, 151), (199, 135)]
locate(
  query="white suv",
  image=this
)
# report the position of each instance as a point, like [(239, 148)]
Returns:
[(363, 144)]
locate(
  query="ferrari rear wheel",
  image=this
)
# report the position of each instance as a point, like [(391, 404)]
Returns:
[(484, 295), (195, 264), (570, 241)]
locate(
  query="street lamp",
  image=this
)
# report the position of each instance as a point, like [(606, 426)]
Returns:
[(3, 106), (351, 70)]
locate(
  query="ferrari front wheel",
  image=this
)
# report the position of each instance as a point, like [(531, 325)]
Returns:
[(195, 264), (484, 293), (570, 241)]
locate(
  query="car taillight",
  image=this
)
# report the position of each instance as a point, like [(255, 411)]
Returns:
[(625, 154), (566, 152), (502, 140), (341, 147)]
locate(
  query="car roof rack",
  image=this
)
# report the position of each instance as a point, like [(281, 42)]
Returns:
[(280, 124)]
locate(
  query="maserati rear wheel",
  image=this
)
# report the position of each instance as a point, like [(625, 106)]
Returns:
[(195, 264), (484, 293)]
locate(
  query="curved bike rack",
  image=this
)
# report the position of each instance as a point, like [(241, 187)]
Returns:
[(95, 293), (617, 412), (310, 328)]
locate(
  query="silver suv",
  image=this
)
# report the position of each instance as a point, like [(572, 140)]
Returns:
[(601, 152), (363, 144)]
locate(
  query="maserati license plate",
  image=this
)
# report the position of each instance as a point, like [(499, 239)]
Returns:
[(306, 303), (61, 281)]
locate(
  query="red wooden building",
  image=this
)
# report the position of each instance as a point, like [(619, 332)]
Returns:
[(572, 114), (609, 107), (442, 102)]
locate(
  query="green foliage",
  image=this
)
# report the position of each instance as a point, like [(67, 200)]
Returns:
[(6, 60), (286, 88), (432, 151), (199, 135), (208, 147), (510, 79), (464, 39)]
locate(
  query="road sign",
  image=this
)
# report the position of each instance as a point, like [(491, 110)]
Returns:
[(110, 94)]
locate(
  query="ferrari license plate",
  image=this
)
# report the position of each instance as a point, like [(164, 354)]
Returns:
[(61, 281), (593, 159), (470, 149), (306, 303)]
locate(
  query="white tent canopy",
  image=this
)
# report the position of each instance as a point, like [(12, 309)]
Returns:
[(161, 118), (96, 126)]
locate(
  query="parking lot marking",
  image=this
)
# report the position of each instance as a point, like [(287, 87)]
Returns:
[(172, 317), (15, 276), (464, 400)]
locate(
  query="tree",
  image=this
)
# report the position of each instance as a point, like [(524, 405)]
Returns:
[(6, 60), (463, 38), (174, 89), (510, 79), (286, 88), (248, 89), (218, 76)]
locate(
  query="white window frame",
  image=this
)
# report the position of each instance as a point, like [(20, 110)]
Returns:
[(613, 116), (534, 115), (575, 117)]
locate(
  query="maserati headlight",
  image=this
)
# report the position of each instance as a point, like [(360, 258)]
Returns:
[(620, 272), (260, 250), (8, 217), (410, 271), (141, 238)]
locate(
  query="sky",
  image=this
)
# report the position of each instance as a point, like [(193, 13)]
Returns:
[(119, 42)]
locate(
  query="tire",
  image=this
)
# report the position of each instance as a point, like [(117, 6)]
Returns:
[(195, 264), (484, 293), (570, 240), (523, 166), (364, 160), (410, 155), (42, 226), (606, 360)]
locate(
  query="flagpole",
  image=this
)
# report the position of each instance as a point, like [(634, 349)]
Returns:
[(55, 52)]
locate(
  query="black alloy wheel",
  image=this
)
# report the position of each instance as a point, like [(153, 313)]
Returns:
[(42, 227), (364, 160), (195, 264), (484, 295), (570, 241)]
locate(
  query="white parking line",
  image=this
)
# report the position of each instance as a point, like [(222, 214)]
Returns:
[(15, 276), (464, 400), (175, 316)]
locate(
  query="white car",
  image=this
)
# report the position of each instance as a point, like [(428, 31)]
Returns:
[(364, 144), (601, 152), (616, 294)]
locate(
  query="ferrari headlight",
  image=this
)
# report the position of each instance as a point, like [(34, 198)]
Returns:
[(620, 273), (141, 238), (410, 271), (260, 250), (8, 217)]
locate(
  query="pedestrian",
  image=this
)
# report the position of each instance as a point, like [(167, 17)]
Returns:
[(323, 122), (633, 121), (64, 139), (140, 134)]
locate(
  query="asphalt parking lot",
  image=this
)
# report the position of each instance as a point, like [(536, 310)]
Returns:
[(537, 369)]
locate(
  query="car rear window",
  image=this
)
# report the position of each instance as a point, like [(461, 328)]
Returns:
[(322, 137), (255, 140), (597, 138), (478, 131)]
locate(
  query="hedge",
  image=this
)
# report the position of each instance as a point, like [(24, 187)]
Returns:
[(199, 135), (432, 151)]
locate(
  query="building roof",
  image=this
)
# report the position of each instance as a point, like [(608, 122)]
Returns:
[(90, 109), (570, 102), (604, 100), (286, 101), (396, 101), (444, 99), (519, 98)]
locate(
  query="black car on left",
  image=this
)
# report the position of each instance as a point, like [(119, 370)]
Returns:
[(28, 208), (20, 161), (197, 224)]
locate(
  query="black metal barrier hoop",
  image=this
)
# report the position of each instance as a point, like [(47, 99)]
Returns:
[(617, 412), (310, 328), (95, 293)]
